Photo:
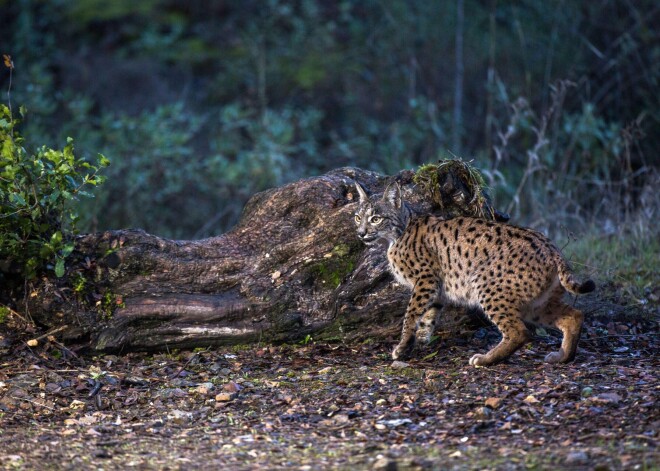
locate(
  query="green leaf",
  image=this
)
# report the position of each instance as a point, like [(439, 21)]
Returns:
[(56, 238), (59, 268), (18, 199), (429, 356), (67, 249), (541, 332)]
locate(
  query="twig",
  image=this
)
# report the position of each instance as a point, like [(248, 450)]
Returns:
[(176, 375), (52, 332), (14, 313), (33, 402), (95, 390), (10, 65)]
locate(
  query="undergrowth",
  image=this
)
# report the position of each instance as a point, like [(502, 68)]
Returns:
[(625, 268), (37, 189)]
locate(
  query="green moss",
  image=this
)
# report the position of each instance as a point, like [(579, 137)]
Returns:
[(430, 178), (109, 302), (4, 312), (335, 267)]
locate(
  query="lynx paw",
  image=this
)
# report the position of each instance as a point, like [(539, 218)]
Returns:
[(478, 360), (402, 351), (423, 336), (555, 357)]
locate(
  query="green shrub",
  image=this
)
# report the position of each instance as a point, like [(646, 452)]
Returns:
[(36, 189)]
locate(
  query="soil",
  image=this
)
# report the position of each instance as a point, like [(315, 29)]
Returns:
[(319, 405)]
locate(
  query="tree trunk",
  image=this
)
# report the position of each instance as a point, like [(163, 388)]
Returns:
[(292, 266)]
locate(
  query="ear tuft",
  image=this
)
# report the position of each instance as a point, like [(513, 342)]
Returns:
[(392, 194), (361, 192)]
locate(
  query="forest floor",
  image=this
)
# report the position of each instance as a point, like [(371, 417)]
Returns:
[(340, 405)]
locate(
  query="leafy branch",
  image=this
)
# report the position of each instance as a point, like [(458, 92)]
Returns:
[(37, 220)]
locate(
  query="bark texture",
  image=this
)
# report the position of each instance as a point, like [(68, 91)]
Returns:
[(292, 266)]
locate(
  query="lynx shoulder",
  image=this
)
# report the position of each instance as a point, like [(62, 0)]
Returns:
[(515, 275)]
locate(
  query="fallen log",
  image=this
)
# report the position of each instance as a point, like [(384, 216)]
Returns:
[(292, 267)]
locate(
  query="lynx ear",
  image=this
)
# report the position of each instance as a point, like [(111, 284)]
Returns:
[(361, 192), (392, 194)]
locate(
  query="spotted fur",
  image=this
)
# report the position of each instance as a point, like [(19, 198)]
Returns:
[(515, 275)]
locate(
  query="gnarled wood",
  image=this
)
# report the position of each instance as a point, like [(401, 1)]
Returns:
[(292, 266)]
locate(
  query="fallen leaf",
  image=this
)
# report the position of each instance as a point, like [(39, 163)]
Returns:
[(493, 402), (76, 404), (531, 400)]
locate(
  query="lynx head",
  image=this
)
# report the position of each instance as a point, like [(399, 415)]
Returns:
[(381, 218)]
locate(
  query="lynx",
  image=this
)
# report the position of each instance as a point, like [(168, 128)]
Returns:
[(515, 275)]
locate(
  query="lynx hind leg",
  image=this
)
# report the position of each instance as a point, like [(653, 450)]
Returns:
[(514, 335), (426, 325), (569, 321)]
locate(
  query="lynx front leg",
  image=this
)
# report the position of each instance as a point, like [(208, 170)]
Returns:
[(420, 302)]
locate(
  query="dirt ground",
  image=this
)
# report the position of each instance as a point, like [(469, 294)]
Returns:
[(339, 406)]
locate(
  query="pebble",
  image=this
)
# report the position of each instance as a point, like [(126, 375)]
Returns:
[(575, 458), (385, 464)]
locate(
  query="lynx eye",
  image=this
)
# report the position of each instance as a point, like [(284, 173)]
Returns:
[(375, 220), (358, 218)]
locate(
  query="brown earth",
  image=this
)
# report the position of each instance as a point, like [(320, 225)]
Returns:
[(340, 405)]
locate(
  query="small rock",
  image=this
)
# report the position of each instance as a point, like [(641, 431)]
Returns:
[(179, 417), (395, 422), (576, 458), (385, 464), (101, 453), (587, 391), (608, 397), (341, 419), (167, 393), (483, 413), (232, 387), (396, 364), (225, 397)]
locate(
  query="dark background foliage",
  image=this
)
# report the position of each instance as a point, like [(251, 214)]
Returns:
[(200, 104)]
